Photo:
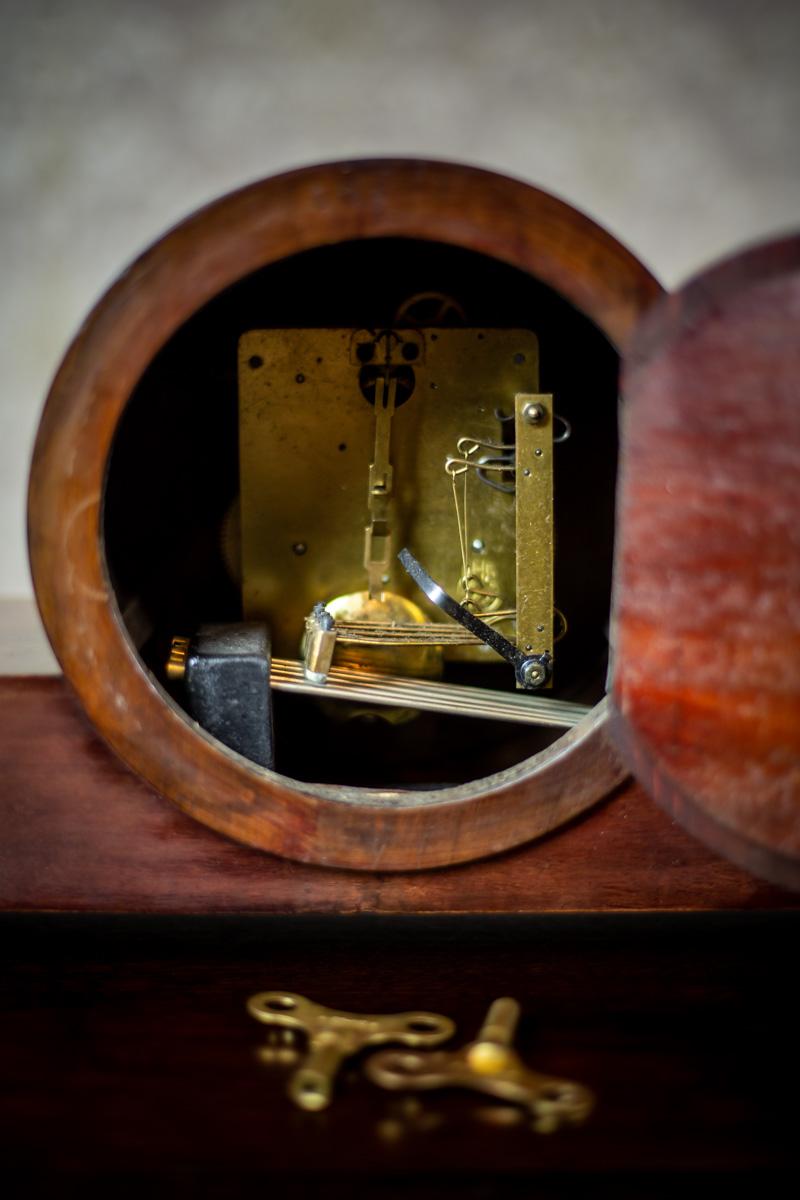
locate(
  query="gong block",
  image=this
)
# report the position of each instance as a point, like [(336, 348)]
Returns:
[(706, 638), (269, 223)]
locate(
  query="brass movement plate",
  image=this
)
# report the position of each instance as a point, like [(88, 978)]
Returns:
[(307, 439)]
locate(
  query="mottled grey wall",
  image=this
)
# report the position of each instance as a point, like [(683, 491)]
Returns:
[(672, 122)]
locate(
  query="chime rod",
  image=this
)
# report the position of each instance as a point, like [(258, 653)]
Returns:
[(352, 683)]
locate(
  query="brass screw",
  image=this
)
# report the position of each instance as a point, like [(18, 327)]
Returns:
[(534, 413), (178, 654)]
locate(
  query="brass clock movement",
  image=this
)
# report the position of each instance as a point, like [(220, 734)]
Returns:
[(365, 453), (390, 537)]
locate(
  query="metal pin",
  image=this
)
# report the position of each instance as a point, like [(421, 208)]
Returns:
[(491, 1050)]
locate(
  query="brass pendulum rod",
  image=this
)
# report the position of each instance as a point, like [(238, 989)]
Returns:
[(377, 537)]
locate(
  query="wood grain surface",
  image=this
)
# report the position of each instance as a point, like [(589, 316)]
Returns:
[(129, 1062), (262, 224), (707, 574), (81, 832)]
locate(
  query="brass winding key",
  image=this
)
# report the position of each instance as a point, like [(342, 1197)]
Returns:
[(334, 1036), (490, 1065)]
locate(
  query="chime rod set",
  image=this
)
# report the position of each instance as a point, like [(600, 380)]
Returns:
[(352, 683)]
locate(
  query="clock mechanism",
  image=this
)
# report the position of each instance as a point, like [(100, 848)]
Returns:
[(365, 453), (387, 566)]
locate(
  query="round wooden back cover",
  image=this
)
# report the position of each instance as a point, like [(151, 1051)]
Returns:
[(261, 225), (706, 629)]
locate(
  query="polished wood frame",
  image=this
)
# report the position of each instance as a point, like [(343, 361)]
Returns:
[(239, 234)]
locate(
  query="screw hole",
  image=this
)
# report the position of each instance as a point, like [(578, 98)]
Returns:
[(519, 358), (280, 1004), (423, 1025), (255, 361)]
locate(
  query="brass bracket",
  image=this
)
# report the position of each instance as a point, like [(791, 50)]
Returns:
[(533, 416)]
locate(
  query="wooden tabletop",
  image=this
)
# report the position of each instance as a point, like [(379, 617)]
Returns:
[(129, 1059)]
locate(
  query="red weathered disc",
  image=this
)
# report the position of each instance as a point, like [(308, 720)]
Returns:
[(707, 583)]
